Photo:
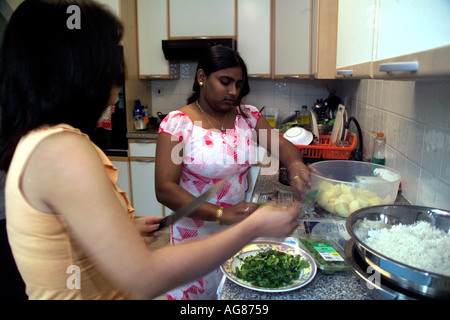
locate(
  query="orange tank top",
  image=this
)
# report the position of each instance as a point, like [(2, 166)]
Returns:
[(53, 265)]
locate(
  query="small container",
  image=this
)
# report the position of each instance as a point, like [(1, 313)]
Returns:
[(378, 154), (328, 255)]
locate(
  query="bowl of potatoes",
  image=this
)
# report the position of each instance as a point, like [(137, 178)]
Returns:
[(346, 186)]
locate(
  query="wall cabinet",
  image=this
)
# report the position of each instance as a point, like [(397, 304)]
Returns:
[(254, 36), (201, 18), (142, 168), (276, 38), (355, 37), (112, 4), (388, 39), (293, 38), (152, 28), (413, 38)]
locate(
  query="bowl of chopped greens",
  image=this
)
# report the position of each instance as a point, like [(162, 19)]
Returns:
[(271, 266)]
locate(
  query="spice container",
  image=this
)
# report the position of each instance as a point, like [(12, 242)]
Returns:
[(328, 255)]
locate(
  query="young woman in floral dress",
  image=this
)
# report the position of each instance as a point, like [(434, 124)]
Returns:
[(214, 137)]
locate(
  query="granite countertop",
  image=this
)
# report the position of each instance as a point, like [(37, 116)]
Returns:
[(150, 133), (336, 286)]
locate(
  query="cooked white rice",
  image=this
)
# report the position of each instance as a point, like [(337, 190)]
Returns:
[(419, 245)]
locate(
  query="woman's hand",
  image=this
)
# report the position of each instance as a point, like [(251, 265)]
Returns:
[(146, 227), (238, 212), (273, 221), (300, 178)]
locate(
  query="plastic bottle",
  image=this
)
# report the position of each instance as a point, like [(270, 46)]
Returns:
[(139, 116), (378, 154)]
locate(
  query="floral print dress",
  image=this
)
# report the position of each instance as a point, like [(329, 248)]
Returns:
[(209, 156)]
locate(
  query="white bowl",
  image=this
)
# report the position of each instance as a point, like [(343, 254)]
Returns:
[(298, 136)]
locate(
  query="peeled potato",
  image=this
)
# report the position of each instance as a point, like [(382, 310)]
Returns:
[(342, 209), (354, 205), (374, 201), (344, 200)]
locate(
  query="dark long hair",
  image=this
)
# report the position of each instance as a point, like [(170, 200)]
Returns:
[(218, 58), (50, 73)]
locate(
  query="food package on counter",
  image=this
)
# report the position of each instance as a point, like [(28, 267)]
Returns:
[(327, 253)]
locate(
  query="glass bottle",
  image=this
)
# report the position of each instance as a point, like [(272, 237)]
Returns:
[(306, 115), (303, 116)]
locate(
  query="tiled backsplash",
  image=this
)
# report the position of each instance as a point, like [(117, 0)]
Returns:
[(283, 95), (414, 115)]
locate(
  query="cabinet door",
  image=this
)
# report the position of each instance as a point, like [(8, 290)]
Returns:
[(142, 168), (143, 185), (293, 38), (123, 179), (152, 29), (410, 26), (201, 18), (413, 31), (142, 148), (355, 38), (254, 36), (324, 38), (112, 4)]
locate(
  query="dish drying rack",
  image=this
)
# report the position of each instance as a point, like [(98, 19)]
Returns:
[(324, 149)]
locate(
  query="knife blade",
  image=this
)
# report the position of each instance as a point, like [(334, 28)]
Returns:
[(191, 206)]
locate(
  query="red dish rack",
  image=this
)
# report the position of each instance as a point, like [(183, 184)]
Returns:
[(326, 150)]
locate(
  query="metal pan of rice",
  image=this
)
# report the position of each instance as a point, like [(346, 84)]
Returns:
[(409, 246)]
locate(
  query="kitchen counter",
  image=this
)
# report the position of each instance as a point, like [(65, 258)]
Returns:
[(337, 286), (150, 133)]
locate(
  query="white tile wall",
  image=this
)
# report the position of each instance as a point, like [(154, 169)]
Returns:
[(415, 117), (283, 95)]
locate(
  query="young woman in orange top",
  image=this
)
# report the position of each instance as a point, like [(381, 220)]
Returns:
[(70, 228)]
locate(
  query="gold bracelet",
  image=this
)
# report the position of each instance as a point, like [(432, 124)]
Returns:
[(295, 163), (219, 214)]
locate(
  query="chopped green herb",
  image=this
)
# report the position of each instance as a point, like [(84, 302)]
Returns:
[(271, 268)]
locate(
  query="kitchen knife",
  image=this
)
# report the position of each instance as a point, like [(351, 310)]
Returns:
[(191, 206)]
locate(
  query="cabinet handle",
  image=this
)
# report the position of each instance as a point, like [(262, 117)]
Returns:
[(154, 77), (255, 76), (143, 141), (345, 72), (291, 77), (411, 66), (144, 160)]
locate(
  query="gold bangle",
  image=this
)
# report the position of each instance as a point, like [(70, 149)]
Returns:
[(295, 163), (219, 214)]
